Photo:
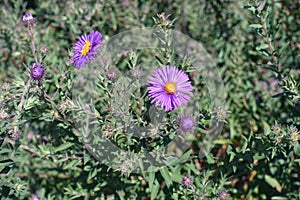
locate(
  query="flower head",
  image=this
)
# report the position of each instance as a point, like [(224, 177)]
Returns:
[(86, 47), (35, 197), (186, 123), (220, 113), (14, 133), (187, 181), (44, 49), (277, 129), (294, 134), (112, 74), (28, 19), (136, 73), (224, 195), (37, 71), (278, 132), (169, 87)]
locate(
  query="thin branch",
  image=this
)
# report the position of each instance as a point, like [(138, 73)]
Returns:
[(21, 104), (61, 82), (261, 7), (33, 49), (27, 148), (266, 37)]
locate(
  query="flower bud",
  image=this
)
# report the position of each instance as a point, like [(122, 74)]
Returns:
[(112, 74), (28, 19), (187, 181), (44, 49), (37, 71)]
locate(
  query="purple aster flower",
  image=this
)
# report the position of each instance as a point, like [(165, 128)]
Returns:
[(37, 71), (169, 87), (86, 48)]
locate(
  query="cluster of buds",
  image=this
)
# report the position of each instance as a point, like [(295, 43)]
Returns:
[(291, 134), (278, 132), (164, 22)]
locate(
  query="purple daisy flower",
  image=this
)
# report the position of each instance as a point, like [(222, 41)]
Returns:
[(169, 87), (86, 48)]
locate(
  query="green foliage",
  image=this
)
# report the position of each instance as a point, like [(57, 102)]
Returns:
[(255, 46)]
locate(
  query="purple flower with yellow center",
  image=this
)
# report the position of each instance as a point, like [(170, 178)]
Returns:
[(86, 47), (169, 87)]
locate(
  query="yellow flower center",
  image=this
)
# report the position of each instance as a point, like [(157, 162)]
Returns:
[(170, 88), (277, 129), (86, 48), (295, 136)]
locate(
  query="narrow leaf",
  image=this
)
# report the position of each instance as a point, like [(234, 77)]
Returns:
[(63, 146)]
